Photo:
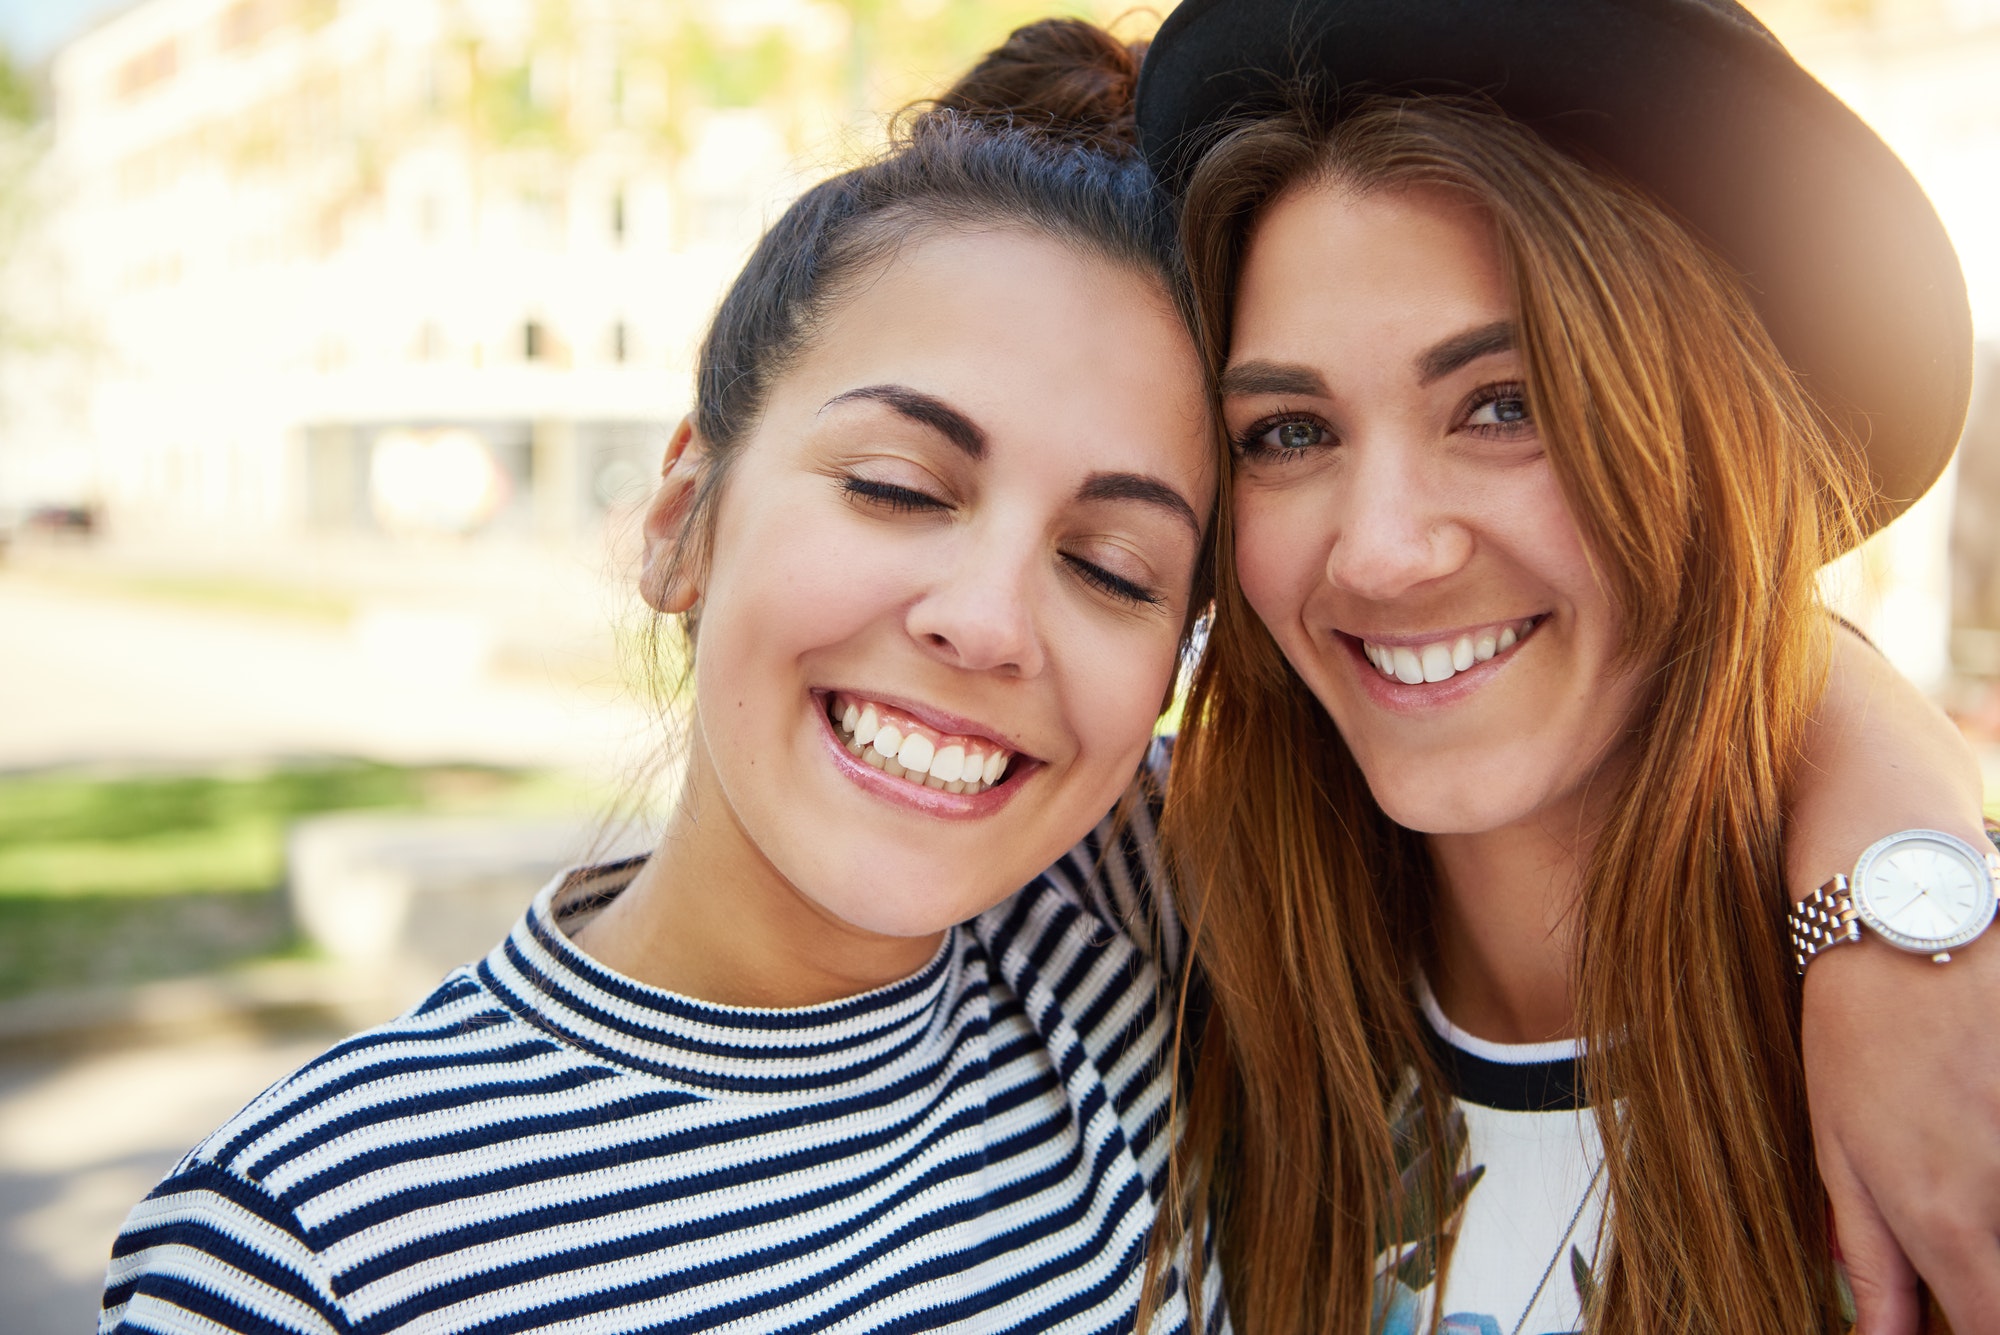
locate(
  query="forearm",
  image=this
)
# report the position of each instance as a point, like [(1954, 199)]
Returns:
[(1879, 758)]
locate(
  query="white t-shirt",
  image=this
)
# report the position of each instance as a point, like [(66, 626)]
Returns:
[(1528, 1203)]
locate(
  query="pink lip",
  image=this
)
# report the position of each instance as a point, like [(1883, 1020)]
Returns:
[(928, 801)]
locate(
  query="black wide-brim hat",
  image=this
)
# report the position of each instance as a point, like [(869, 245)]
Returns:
[(1691, 101)]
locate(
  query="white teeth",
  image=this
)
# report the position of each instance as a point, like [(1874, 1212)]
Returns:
[(948, 764), (915, 753), (1443, 659), (1436, 659), (914, 757)]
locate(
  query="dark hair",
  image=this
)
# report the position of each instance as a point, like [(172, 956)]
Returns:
[(1038, 135)]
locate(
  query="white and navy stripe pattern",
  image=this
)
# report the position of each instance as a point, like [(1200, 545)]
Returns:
[(543, 1145)]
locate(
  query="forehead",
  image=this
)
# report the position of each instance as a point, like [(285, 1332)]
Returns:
[(1330, 265), (1044, 346)]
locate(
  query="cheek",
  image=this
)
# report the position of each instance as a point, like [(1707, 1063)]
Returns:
[(1115, 678), (802, 572), (1280, 554), (1539, 533)]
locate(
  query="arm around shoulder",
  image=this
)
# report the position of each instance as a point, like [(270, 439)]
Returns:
[(1902, 1059), (1880, 757)]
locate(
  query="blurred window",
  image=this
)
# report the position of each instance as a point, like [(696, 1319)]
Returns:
[(534, 341), (147, 70), (249, 21), (541, 219)]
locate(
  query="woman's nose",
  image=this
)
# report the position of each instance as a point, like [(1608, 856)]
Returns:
[(1395, 528), (979, 610)]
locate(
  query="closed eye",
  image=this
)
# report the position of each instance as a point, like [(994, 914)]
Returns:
[(1116, 585), (889, 496)]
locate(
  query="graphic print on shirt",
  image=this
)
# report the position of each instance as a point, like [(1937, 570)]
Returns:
[(1564, 1288)]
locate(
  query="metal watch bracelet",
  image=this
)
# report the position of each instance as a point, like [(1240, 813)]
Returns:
[(1827, 917), (1823, 919)]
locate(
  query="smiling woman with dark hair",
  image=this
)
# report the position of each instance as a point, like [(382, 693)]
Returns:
[(868, 1042)]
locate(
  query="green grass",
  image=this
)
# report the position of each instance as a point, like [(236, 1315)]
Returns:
[(98, 940), (120, 879)]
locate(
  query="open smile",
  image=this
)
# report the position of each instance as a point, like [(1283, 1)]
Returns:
[(949, 769), (1422, 661)]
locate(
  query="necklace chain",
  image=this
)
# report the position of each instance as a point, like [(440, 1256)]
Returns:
[(1589, 1190)]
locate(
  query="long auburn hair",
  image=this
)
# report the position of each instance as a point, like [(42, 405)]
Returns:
[(1709, 493)]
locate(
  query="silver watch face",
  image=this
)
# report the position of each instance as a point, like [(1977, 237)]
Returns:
[(1924, 890)]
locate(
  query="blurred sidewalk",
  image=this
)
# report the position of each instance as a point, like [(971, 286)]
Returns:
[(84, 1135)]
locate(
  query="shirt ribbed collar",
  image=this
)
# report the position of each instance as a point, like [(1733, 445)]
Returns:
[(1512, 1077), (841, 1048)]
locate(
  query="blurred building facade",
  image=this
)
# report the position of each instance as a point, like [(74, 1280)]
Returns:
[(407, 265), (394, 266), (1922, 72)]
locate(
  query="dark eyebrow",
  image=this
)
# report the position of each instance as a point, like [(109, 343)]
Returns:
[(1465, 349), (1258, 377), (1139, 487), (925, 410)]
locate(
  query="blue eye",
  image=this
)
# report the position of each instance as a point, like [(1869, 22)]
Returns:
[(1281, 437), (1500, 408)]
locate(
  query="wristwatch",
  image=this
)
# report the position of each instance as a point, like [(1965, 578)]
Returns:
[(1922, 891)]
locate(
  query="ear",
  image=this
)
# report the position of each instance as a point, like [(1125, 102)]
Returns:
[(668, 580)]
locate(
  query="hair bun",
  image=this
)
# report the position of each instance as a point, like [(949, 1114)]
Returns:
[(1063, 77)]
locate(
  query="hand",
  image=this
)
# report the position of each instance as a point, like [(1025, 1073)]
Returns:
[(1902, 1059)]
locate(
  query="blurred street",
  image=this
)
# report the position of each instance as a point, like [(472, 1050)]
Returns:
[(118, 677), (118, 659)]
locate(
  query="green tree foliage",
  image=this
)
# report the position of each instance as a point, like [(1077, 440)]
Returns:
[(19, 101)]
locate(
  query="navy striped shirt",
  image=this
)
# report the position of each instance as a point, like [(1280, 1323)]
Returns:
[(544, 1145)]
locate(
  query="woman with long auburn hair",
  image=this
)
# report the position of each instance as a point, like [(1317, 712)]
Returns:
[(1550, 389)]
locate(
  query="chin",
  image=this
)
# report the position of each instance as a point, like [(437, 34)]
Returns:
[(1416, 803), (906, 911)]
